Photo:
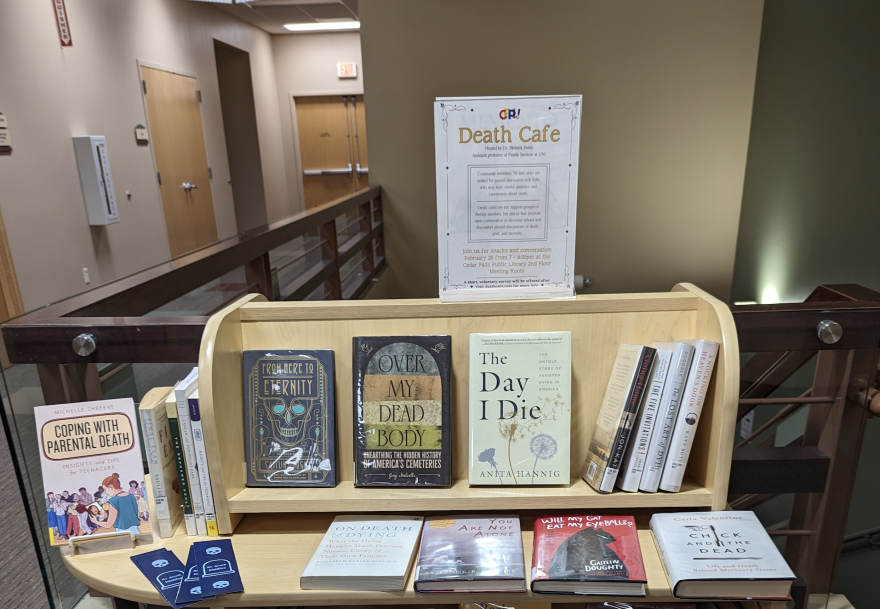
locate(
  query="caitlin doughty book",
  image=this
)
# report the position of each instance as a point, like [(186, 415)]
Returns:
[(473, 553), (93, 474), (290, 418), (588, 554), (402, 416)]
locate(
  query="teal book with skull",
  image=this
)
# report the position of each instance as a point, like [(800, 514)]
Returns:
[(290, 418)]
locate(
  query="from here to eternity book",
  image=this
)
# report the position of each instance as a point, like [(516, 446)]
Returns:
[(519, 408), (402, 410), (290, 418), (587, 554), (93, 474)]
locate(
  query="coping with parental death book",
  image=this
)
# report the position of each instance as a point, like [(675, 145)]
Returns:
[(588, 554), (93, 474)]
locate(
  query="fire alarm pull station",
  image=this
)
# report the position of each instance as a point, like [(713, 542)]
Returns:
[(97, 181)]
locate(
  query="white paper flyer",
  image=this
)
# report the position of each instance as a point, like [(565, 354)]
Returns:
[(507, 172)]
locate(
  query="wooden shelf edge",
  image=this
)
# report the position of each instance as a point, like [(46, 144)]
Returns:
[(273, 550), (345, 497)]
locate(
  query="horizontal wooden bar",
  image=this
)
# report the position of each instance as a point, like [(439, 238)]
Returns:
[(351, 247), (789, 532), (765, 328), (308, 282), (148, 290), (775, 470), (432, 307), (118, 339), (785, 401)]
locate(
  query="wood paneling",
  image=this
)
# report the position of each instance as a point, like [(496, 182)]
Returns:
[(175, 119)]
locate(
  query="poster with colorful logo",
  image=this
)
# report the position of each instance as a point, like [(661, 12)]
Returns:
[(93, 472), (507, 172)]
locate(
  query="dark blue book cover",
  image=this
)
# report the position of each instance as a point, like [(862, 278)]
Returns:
[(290, 418)]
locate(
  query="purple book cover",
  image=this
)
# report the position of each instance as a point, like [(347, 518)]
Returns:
[(471, 547)]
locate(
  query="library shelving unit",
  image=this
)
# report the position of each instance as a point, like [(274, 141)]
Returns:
[(275, 531)]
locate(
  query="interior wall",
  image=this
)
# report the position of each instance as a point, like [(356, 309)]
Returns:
[(242, 143), (50, 94), (667, 92), (305, 64), (810, 202)]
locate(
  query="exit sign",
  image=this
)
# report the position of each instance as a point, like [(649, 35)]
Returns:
[(346, 70)]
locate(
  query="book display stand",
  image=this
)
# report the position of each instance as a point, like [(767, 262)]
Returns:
[(275, 531)]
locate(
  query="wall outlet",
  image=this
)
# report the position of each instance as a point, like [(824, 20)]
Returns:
[(86, 276)]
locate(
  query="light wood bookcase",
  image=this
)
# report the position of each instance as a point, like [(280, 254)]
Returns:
[(276, 531), (598, 325)]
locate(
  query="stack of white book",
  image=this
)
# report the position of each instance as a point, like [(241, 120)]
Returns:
[(175, 447), (649, 416)]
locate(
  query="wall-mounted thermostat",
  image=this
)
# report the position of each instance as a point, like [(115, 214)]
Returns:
[(97, 181)]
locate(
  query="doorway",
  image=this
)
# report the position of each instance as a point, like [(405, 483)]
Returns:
[(333, 146), (175, 122), (242, 142)]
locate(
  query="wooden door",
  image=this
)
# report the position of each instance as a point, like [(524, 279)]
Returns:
[(332, 141), (174, 113)]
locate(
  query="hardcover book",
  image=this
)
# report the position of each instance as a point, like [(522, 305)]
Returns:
[(620, 406), (476, 553), (368, 552), (93, 475), (189, 516), (290, 418), (587, 554), (720, 555), (693, 396), (520, 408), (637, 448), (667, 412), (165, 495), (182, 391), (403, 425)]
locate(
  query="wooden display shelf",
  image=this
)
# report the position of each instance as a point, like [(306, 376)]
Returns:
[(346, 498), (273, 550), (599, 324)]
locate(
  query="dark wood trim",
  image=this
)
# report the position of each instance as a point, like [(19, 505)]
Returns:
[(148, 290), (770, 470), (119, 340), (766, 328), (306, 283)]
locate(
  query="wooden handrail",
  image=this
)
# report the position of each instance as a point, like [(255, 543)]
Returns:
[(113, 313)]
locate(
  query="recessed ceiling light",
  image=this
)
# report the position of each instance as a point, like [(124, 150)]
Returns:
[(323, 26)]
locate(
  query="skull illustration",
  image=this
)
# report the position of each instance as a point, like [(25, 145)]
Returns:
[(214, 550), (195, 590), (221, 584), (286, 418), (160, 563)]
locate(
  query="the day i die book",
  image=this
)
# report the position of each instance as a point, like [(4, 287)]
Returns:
[(290, 418), (519, 408), (402, 410)]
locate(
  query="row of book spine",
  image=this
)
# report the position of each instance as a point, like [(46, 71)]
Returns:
[(659, 419), (175, 441)]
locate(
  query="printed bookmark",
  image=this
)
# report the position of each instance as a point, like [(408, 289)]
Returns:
[(190, 590), (165, 571), (218, 570)]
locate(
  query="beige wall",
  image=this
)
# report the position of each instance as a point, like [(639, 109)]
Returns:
[(50, 93), (305, 64), (667, 92)]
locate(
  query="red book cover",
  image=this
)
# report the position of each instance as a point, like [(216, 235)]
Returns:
[(587, 548)]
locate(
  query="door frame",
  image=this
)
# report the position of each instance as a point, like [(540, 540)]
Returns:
[(294, 129), (163, 68)]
